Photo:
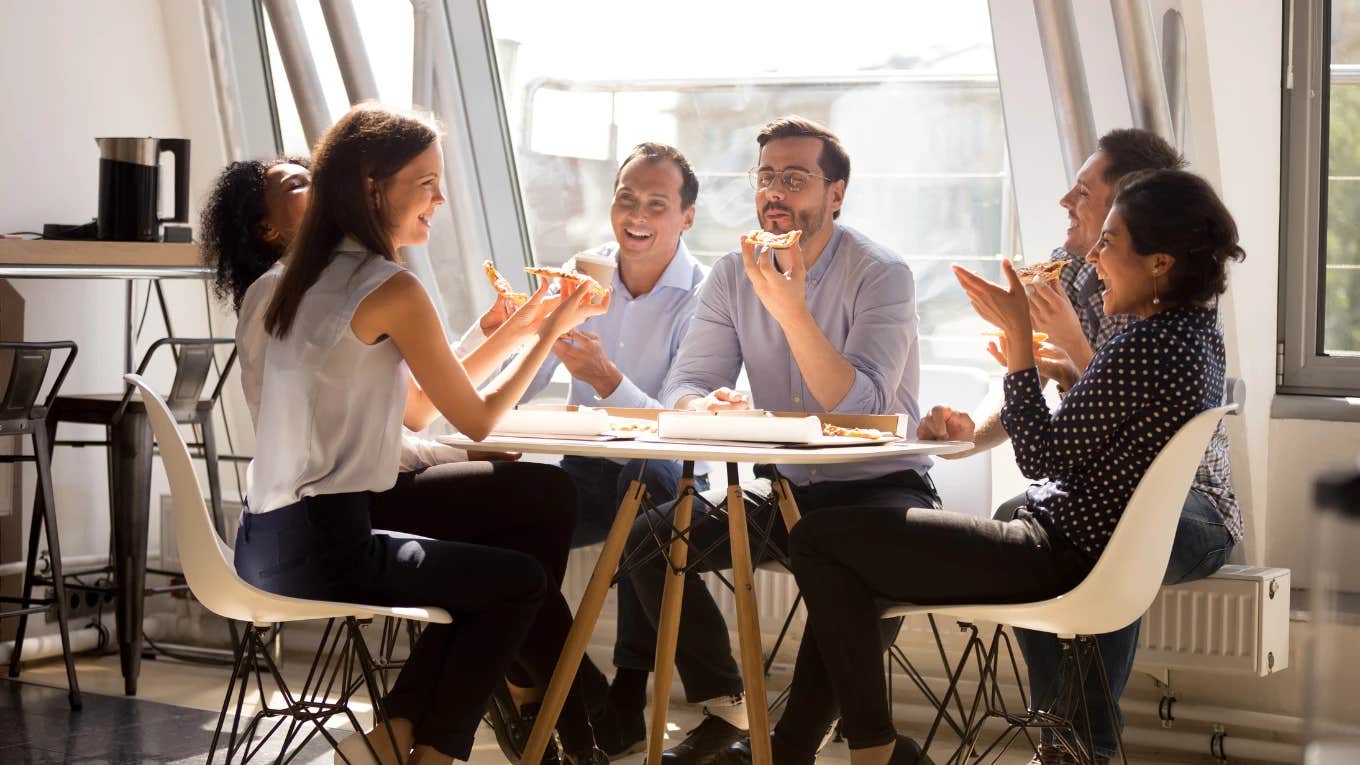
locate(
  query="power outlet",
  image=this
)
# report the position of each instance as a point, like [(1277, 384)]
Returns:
[(80, 604)]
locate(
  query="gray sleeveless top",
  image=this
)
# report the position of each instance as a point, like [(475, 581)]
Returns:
[(331, 406)]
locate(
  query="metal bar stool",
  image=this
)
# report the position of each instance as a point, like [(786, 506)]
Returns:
[(20, 414), (130, 450)]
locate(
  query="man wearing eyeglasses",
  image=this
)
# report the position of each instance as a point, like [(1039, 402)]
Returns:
[(828, 325)]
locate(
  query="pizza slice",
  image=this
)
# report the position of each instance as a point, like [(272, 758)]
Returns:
[(764, 238), (549, 272), (502, 286), (1046, 272), (867, 433)]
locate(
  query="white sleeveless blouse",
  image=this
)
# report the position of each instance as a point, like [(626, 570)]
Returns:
[(331, 406)]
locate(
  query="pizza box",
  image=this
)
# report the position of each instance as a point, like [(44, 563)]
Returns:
[(792, 429), (581, 422)]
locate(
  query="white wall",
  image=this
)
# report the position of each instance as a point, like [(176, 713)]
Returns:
[(71, 71)]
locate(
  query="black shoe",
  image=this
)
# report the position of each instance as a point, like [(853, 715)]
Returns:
[(512, 727), (619, 733), (908, 752), (704, 743), (739, 753)]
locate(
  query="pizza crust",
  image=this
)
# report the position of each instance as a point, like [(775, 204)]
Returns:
[(549, 272)]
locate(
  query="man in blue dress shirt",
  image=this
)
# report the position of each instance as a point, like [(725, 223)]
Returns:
[(826, 326), (622, 357)]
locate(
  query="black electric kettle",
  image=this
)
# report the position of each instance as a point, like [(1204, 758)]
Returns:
[(129, 181)]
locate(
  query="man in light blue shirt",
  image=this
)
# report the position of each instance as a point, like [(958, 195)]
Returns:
[(621, 358), (828, 325)]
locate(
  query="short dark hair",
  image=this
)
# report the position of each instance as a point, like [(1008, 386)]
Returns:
[(834, 161), (649, 151), (1177, 213), (1133, 149)]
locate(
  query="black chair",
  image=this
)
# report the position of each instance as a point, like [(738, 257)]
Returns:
[(130, 450), (20, 414)]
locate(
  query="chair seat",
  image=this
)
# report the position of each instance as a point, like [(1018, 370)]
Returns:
[(101, 408)]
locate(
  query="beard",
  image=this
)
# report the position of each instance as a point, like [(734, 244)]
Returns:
[(809, 220)]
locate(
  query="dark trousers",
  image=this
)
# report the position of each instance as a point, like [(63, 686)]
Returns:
[(324, 548), (704, 658), (1201, 547), (846, 564), (523, 506)]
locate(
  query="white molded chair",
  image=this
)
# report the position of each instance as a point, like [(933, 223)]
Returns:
[(1119, 588), (965, 485), (212, 578)]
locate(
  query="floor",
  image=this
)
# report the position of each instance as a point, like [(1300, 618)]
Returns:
[(172, 719)]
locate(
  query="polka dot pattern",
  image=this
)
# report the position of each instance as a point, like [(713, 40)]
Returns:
[(1088, 455)]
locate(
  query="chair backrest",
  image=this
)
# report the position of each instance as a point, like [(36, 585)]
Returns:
[(965, 485), (1129, 573), (206, 560), (27, 370), (193, 361)]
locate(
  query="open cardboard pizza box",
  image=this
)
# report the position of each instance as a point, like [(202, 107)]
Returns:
[(791, 429), (577, 422)]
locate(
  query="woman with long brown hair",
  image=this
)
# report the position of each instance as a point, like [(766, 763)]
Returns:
[(345, 323)]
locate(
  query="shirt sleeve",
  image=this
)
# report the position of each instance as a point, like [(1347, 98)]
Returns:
[(473, 337), (1129, 392), (629, 396), (880, 339), (710, 353)]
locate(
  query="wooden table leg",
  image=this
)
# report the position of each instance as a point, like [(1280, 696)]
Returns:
[(587, 614), (748, 622), (788, 506), (668, 626)]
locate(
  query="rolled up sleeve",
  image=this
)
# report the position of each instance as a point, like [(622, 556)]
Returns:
[(629, 396), (710, 353), (881, 339)]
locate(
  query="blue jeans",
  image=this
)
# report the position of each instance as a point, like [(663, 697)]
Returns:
[(1201, 547)]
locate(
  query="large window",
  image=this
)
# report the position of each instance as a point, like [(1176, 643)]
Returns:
[(910, 87), (1320, 282)]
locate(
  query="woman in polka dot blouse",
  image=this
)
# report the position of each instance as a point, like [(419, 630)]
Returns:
[(1162, 257)]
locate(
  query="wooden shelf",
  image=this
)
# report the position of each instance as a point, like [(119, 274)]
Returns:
[(51, 258)]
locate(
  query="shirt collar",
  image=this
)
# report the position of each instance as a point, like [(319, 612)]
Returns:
[(679, 274), (824, 262)]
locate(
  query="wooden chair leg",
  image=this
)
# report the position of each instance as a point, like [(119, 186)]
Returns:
[(788, 506), (587, 614), (668, 625), (748, 622)]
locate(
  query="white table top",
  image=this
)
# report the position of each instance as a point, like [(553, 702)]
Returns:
[(638, 449)]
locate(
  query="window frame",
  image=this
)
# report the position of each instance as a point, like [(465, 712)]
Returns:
[(1302, 367)]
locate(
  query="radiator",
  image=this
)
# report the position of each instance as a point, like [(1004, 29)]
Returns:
[(1235, 621)]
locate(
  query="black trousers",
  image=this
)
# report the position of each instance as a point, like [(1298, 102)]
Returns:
[(847, 563), (703, 654), (324, 548), (523, 506)]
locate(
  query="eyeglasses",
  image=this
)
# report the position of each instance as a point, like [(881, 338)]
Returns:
[(793, 181)]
